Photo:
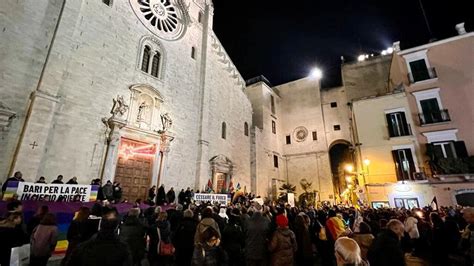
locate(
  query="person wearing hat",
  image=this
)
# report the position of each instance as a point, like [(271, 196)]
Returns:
[(283, 244)]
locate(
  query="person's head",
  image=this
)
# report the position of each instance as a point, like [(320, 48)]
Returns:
[(163, 216), (210, 236), (468, 215), (14, 206), (171, 188), (74, 178), (82, 214), (41, 211), (18, 175), (179, 207), (207, 213), (109, 223), (435, 218), (282, 221), (347, 251), (108, 182), (134, 212), (188, 214), (60, 177), (397, 227), (364, 228), (331, 213), (12, 220), (42, 178), (48, 219)]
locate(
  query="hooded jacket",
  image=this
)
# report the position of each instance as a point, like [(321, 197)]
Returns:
[(202, 226), (283, 247)]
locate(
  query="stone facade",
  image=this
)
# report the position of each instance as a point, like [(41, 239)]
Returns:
[(59, 79)]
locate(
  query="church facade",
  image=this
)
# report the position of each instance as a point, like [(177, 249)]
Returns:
[(143, 93)]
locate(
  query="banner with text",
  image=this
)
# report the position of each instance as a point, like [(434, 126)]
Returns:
[(51, 192), (220, 198)]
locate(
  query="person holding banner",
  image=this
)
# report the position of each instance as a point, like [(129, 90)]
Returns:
[(18, 177), (59, 180)]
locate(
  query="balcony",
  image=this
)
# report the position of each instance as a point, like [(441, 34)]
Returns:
[(434, 117), (421, 75)]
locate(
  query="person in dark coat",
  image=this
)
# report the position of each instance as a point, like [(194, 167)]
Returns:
[(10, 229), (171, 196), (439, 239), (152, 194), (17, 177), (41, 180), (386, 249), (181, 197), (58, 180), (188, 196), (105, 248), (175, 216), (304, 254), (77, 232), (233, 239), (161, 196), (207, 251), (133, 232), (117, 194), (159, 232), (256, 236), (183, 239), (72, 181)]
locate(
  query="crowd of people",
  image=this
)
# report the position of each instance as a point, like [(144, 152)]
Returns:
[(245, 234), (171, 230)]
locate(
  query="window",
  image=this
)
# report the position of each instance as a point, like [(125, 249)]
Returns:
[(155, 65), (337, 127), (275, 161), (246, 129), (146, 58), (288, 139), (404, 164), (333, 104), (315, 135), (200, 17), (224, 129), (397, 124), (430, 107), (274, 130), (444, 149), (272, 104), (418, 66), (107, 2), (193, 52), (419, 71)]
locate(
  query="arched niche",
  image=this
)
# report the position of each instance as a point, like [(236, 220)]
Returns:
[(145, 105)]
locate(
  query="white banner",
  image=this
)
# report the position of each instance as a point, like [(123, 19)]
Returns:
[(220, 198), (53, 192), (291, 199)]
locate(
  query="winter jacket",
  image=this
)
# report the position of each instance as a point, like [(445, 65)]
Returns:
[(170, 196), (256, 237), (133, 233), (364, 241), (102, 249), (15, 237), (386, 250), (152, 233), (43, 240), (183, 240), (283, 247), (233, 240), (203, 225), (205, 255), (108, 191), (303, 238)]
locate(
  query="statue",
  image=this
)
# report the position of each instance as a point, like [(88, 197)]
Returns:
[(141, 111), (119, 108), (166, 122), (308, 197)]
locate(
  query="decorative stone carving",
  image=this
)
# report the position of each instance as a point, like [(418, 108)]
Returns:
[(300, 133), (119, 108), (165, 143), (221, 164), (6, 116), (166, 122)]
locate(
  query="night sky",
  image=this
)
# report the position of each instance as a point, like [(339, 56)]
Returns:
[(283, 40)]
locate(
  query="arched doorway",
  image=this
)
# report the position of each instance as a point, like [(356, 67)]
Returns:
[(340, 154)]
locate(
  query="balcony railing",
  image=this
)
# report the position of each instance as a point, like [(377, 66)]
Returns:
[(434, 117), (420, 75)]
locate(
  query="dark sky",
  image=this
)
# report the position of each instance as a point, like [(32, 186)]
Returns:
[(283, 39)]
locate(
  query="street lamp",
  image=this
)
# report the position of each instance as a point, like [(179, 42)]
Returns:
[(366, 162), (316, 73), (349, 168)]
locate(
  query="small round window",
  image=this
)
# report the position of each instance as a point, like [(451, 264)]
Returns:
[(161, 17), (300, 134)]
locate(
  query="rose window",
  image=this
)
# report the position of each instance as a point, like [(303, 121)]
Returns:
[(161, 17), (300, 134)]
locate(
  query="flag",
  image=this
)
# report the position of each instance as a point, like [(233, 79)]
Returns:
[(231, 186), (434, 204), (238, 186), (209, 186)]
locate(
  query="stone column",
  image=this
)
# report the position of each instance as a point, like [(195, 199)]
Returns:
[(112, 149)]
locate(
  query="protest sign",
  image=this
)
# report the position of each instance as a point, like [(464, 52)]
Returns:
[(51, 192), (220, 198)]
